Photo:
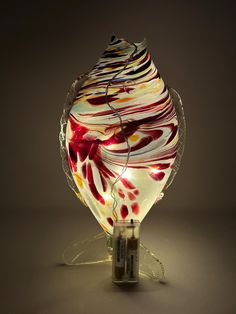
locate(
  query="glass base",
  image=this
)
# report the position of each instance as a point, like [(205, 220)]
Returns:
[(98, 249)]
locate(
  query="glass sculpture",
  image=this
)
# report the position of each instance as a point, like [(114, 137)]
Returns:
[(122, 138)]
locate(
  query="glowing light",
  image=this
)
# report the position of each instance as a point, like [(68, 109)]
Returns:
[(110, 145), (127, 174), (107, 197), (155, 170)]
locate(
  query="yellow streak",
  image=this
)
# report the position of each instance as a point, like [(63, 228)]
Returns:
[(123, 100), (79, 180), (134, 137)]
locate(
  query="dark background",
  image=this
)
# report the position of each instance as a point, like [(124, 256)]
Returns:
[(44, 47)]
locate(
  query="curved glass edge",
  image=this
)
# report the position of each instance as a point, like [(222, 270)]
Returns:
[(62, 135), (98, 249), (177, 102)]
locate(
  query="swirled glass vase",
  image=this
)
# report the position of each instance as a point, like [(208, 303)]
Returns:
[(122, 139)]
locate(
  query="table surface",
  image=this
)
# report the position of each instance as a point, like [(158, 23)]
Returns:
[(197, 249)]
